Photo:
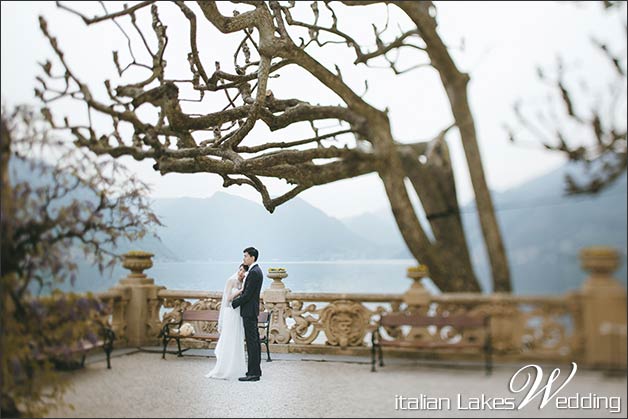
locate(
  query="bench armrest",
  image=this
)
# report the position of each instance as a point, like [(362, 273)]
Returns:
[(375, 335), (110, 336), (165, 330), (267, 324)]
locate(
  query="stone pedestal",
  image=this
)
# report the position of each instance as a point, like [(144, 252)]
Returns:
[(277, 291), (275, 300), (141, 316), (417, 295), (604, 308)]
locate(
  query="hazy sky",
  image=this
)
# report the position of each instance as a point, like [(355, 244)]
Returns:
[(504, 43)]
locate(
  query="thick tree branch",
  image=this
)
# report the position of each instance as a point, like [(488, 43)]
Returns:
[(211, 141)]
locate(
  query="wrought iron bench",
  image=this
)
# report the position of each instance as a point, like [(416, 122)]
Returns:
[(167, 334), (64, 356), (457, 338)]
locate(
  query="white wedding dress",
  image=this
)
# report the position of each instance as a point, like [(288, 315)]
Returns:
[(230, 356)]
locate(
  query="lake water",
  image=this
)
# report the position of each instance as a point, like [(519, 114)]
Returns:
[(352, 276), (370, 276)]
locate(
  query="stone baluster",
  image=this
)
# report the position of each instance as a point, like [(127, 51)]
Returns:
[(603, 309), (275, 300), (118, 316)]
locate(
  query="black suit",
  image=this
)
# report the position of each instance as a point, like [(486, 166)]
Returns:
[(248, 302)]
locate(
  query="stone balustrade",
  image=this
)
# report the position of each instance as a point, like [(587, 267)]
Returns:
[(586, 325), (117, 301)]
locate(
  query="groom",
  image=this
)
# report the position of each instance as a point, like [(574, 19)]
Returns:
[(249, 303)]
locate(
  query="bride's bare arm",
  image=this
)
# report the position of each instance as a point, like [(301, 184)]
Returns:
[(233, 294), (236, 293)]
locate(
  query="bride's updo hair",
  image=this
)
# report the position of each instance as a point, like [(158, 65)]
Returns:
[(245, 267)]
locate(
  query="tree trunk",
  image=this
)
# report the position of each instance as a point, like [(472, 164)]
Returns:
[(8, 407), (6, 216), (455, 84), (393, 175), (484, 202), (435, 184)]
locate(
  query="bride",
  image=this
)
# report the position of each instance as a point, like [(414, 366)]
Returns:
[(230, 357)]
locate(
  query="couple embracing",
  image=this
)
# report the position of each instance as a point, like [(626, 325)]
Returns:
[(238, 322)]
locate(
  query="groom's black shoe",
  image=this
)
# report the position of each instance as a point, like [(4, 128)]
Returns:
[(249, 378)]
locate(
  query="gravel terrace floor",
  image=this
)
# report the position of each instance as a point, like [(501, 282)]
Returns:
[(141, 384)]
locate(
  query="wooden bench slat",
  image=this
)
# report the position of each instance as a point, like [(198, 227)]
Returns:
[(76, 348), (201, 315), (428, 345), (458, 321), (212, 316), (206, 336)]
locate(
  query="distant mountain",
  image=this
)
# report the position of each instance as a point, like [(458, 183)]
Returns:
[(543, 231), (380, 227), (220, 227)]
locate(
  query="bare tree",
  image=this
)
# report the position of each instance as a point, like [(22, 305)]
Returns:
[(595, 136), (273, 37)]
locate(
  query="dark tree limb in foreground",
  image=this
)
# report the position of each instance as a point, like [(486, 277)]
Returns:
[(274, 37), (57, 200)]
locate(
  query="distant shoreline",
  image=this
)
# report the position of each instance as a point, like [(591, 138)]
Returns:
[(297, 262)]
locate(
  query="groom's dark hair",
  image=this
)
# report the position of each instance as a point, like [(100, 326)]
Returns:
[(252, 252)]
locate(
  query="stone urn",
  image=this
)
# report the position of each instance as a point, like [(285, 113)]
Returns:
[(418, 272), (599, 260), (277, 275), (137, 261)]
